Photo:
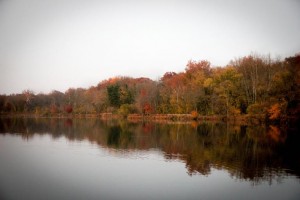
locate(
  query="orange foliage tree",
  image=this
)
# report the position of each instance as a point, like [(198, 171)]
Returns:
[(274, 112)]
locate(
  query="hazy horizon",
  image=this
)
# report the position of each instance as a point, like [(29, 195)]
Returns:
[(55, 45)]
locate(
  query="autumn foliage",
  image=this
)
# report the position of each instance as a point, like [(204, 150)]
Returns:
[(68, 109), (274, 112), (147, 109), (250, 85), (194, 114)]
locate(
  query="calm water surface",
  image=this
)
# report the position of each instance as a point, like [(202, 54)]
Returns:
[(93, 159)]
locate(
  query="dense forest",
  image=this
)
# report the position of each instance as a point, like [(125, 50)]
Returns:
[(252, 85)]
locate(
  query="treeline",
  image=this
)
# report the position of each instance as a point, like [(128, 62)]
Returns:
[(255, 85)]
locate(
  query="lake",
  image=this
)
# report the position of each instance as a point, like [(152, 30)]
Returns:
[(94, 159)]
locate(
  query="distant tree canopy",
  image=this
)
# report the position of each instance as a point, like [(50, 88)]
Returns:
[(253, 84)]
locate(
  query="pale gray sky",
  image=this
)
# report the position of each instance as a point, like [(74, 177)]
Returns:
[(58, 44)]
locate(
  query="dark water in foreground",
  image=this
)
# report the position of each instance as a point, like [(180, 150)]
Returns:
[(92, 159)]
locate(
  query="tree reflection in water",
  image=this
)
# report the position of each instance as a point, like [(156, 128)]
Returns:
[(253, 153)]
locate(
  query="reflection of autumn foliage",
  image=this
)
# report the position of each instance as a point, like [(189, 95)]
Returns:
[(147, 127), (68, 123), (254, 153), (202, 167), (194, 124)]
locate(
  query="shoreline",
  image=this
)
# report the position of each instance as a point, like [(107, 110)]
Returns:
[(247, 119), (240, 119)]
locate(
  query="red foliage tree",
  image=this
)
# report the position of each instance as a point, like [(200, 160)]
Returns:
[(68, 109), (147, 109)]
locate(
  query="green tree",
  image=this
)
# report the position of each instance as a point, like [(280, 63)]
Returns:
[(113, 92)]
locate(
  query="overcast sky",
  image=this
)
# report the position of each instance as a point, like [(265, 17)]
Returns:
[(58, 44)]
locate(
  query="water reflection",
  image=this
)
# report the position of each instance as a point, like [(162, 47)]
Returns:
[(248, 153)]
